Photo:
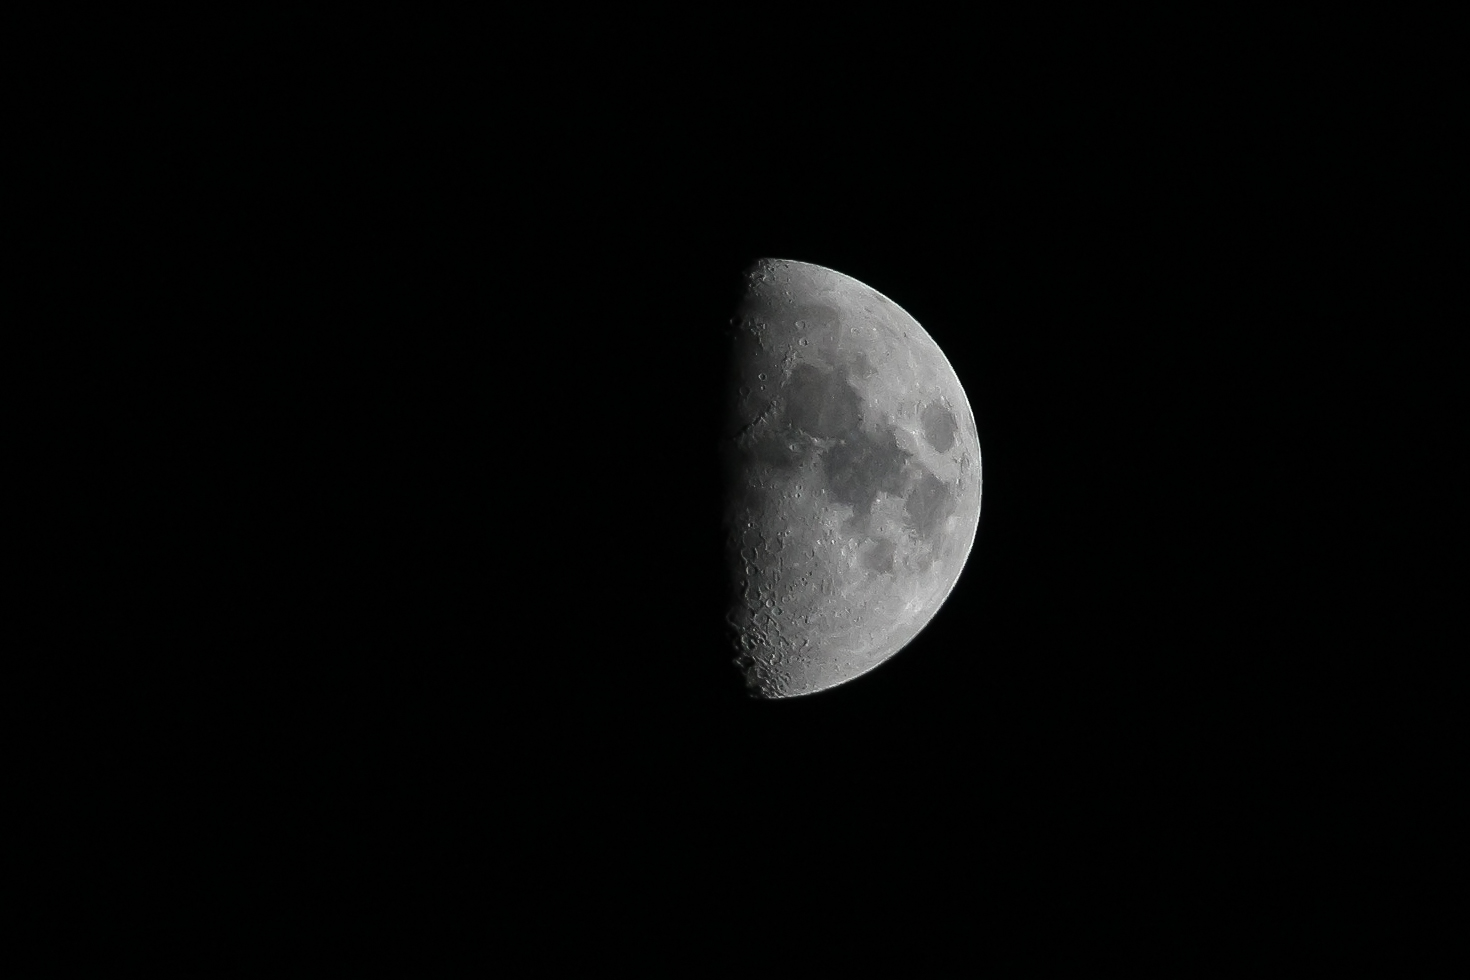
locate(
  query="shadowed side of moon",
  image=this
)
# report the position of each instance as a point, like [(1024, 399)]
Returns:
[(854, 473)]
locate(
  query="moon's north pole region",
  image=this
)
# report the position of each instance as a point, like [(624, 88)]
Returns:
[(853, 468)]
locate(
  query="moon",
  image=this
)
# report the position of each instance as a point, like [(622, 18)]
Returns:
[(852, 465)]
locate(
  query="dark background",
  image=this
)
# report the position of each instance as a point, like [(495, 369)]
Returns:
[(409, 403)]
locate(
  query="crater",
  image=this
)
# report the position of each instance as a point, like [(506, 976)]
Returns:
[(820, 323), (939, 426)]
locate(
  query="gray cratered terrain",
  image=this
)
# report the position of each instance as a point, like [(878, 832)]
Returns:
[(854, 468)]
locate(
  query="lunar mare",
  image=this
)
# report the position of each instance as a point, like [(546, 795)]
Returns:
[(854, 471)]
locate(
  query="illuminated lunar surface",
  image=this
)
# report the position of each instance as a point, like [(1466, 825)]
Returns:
[(854, 472)]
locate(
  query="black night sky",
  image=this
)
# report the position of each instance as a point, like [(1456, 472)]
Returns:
[(443, 352)]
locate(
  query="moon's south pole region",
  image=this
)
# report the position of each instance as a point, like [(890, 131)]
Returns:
[(852, 465)]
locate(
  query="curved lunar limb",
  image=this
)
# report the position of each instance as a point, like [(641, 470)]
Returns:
[(854, 473)]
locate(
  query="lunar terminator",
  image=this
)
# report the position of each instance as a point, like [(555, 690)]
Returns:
[(853, 464)]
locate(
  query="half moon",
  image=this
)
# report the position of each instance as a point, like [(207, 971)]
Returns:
[(853, 466)]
